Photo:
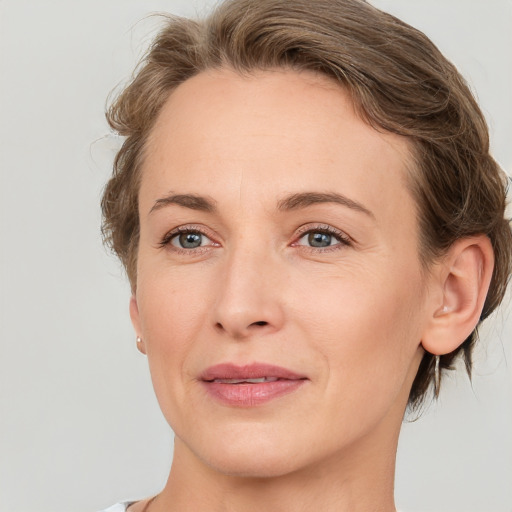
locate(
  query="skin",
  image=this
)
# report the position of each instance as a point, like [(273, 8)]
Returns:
[(353, 317)]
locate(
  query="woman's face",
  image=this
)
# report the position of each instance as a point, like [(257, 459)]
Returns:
[(277, 230)]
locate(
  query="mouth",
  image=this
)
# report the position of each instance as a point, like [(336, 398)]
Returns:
[(249, 385), (248, 381)]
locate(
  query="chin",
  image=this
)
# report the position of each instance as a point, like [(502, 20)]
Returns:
[(252, 453), (251, 465)]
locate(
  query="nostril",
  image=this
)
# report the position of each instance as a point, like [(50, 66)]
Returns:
[(238, 331)]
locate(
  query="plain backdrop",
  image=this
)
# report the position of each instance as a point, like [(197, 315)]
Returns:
[(79, 426)]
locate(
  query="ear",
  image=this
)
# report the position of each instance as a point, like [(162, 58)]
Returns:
[(462, 280), (135, 317)]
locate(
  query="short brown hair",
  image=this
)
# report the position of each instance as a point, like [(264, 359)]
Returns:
[(399, 82)]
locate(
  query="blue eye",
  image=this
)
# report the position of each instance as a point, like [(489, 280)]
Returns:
[(189, 240), (318, 239), (322, 238)]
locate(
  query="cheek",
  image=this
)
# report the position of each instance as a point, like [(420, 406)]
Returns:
[(366, 327), (171, 306), (361, 304), (172, 312)]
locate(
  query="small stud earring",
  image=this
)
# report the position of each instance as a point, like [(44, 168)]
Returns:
[(139, 339)]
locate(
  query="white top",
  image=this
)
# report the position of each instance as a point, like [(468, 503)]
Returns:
[(119, 507)]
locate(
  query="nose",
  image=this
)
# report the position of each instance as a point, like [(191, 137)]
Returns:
[(250, 292)]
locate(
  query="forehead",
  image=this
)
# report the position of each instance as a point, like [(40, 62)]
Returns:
[(269, 133)]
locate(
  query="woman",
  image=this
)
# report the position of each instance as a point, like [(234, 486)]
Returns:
[(313, 228)]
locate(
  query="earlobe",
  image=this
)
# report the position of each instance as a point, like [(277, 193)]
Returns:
[(135, 317), (464, 278)]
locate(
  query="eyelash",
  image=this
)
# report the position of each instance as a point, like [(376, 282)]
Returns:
[(341, 237)]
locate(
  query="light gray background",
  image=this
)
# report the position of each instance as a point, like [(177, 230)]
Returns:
[(79, 426)]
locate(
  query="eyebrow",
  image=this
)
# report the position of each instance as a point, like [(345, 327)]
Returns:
[(192, 201), (289, 203), (305, 199)]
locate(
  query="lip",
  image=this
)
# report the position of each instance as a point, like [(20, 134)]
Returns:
[(245, 394)]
